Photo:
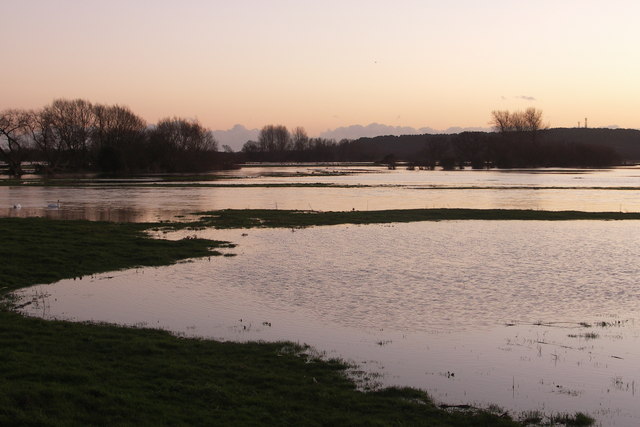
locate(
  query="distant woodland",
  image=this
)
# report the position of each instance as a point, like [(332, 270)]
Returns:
[(78, 136), (520, 140)]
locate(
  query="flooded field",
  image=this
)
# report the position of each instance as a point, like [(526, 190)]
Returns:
[(332, 188), (528, 315)]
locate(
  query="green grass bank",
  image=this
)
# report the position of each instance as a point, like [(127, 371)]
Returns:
[(249, 218)]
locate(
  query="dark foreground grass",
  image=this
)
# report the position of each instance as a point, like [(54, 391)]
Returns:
[(60, 373), (248, 218), (65, 373)]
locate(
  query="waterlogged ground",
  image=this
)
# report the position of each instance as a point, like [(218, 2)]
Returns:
[(330, 188), (529, 315)]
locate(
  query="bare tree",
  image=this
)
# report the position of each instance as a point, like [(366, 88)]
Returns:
[(282, 139), (186, 135), (14, 132), (299, 139), (70, 124), (117, 139), (115, 125), (180, 144), (501, 120), (518, 121), (45, 138), (274, 139), (533, 119), (267, 139)]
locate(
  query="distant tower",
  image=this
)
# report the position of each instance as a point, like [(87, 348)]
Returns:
[(585, 122)]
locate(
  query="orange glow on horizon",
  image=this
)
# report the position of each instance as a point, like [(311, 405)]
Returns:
[(322, 66)]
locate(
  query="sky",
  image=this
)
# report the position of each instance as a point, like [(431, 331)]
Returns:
[(328, 64)]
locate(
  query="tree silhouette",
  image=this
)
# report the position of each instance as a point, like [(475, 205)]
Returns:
[(529, 120), (14, 132)]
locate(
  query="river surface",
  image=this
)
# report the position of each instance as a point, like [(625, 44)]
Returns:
[(528, 315)]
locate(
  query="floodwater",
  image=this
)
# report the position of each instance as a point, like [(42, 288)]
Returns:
[(528, 315), (368, 188)]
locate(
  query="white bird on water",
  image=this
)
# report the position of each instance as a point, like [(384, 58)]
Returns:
[(54, 205), (17, 206)]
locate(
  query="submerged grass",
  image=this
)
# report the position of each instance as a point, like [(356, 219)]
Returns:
[(65, 373), (209, 181), (174, 183), (248, 218)]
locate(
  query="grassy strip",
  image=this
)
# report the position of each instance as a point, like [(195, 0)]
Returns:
[(248, 218), (38, 250), (64, 373)]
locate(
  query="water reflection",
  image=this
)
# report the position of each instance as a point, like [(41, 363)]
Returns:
[(85, 213), (542, 177), (109, 203), (598, 190), (527, 315)]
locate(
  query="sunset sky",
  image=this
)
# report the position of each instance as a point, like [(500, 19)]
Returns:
[(326, 64)]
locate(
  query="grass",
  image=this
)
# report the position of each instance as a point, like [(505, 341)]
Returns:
[(248, 218), (537, 418), (65, 373), (60, 373), (38, 250), (587, 336)]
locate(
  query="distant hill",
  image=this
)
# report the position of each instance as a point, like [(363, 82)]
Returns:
[(568, 147), (373, 130), (626, 142)]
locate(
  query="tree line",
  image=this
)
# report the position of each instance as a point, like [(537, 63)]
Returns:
[(276, 144), (77, 135), (519, 141)]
